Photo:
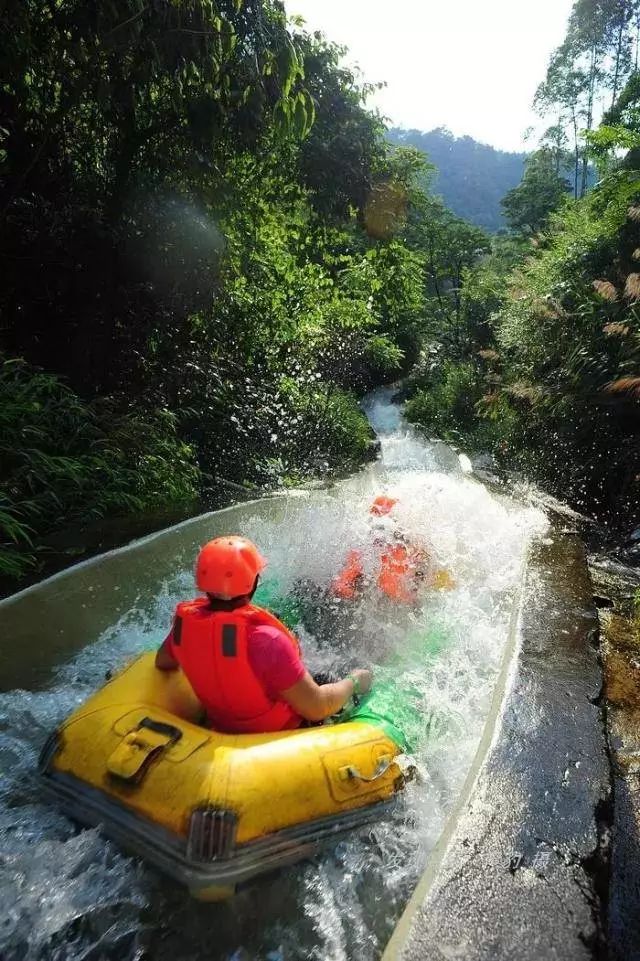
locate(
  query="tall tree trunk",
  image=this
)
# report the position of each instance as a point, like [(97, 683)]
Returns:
[(616, 75), (576, 151), (592, 92), (457, 306)]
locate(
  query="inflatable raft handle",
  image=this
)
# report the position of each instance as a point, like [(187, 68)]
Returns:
[(131, 759), (353, 774)]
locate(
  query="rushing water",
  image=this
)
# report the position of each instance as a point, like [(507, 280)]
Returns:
[(66, 894)]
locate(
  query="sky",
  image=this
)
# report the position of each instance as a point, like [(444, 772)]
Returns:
[(470, 65)]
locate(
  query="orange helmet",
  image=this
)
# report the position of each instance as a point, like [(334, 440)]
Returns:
[(383, 505), (227, 567)]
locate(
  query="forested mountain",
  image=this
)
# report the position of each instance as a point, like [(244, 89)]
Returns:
[(543, 367), (471, 177)]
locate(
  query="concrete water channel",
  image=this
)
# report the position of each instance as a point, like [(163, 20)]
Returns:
[(499, 849)]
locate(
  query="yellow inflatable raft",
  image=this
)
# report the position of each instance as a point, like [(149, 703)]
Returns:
[(211, 810)]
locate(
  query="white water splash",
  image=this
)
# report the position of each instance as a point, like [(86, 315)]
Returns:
[(67, 895)]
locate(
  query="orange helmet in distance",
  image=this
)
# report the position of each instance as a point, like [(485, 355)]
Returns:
[(383, 505), (227, 567)]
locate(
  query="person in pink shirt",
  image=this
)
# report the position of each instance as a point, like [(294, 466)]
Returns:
[(244, 664)]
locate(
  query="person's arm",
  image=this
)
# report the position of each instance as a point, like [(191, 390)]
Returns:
[(165, 661), (315, 702)]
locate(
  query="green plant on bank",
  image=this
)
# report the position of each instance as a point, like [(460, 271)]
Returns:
[(329, 422), (446, 400), (552, 390), (64, 460), (528, 206)]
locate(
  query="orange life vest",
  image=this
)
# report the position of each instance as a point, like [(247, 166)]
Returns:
[(398, 575), (397, 569), (211, 648), (349, 580)]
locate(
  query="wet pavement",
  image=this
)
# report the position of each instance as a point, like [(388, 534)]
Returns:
[(522, 870)]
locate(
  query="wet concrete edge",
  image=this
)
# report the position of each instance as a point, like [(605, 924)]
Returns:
[(521, 870), (624, 904), (132, 545), (620, 648)]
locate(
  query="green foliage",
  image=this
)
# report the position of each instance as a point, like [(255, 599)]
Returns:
[(445, 402), (449, 247), (555, 300), (64, 460), (608, 138), (597, 57), (546, 375), (556, 337), (191, 270), (383, 356), (471, 177), (542, 190), (569, 331), (320, 428), (341, 156)]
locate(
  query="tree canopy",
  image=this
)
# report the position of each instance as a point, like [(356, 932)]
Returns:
[(209, 251), (549, 375), (528, 206)]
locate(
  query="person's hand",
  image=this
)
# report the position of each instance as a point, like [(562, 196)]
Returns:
[(364, 678)]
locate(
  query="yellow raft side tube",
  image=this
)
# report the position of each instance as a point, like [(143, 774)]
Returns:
[(211, 809)]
